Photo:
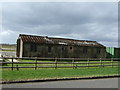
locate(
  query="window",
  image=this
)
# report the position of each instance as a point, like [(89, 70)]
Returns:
[(33, 47), (70, 48), (84, 50), (63, 48), (49, 49), (98, 50)]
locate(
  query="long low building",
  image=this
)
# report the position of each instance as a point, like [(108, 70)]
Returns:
[(44, 46)]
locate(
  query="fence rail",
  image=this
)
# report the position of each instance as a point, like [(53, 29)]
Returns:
[(33, 58), (59, 62)]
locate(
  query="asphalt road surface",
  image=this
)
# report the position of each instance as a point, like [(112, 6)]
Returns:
[(94, 83)]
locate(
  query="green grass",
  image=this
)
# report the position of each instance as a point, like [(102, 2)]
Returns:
[(8, 46), (42, 73), (9, 50), (29, 74)]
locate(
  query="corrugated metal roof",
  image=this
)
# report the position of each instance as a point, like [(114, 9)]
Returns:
[(63, 41)]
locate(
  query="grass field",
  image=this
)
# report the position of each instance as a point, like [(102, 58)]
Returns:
[(9, 50), (43, 73), (8, 46), (28, 74)]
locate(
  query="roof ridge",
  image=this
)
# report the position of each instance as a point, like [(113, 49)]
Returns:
[(69, 39), (54, 40), (31, 35)]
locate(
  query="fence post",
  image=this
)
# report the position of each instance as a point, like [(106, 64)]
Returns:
[(100, 62), (35, 63), (55, 63), (73, 62), (112, 62), (12, 63), (103, 62), (76, 64), (17, 67), (88, 62)]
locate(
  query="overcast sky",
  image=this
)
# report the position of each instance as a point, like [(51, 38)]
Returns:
[(96, 21)]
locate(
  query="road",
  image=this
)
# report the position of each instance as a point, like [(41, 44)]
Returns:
[(94, 83)]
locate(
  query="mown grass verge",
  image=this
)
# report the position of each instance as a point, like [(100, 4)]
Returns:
[(43, 73), (8, 50)]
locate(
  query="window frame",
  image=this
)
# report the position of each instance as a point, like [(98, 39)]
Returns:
[(71, 48), (98, 50)]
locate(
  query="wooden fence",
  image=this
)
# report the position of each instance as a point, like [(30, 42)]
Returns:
[(59, 62)]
